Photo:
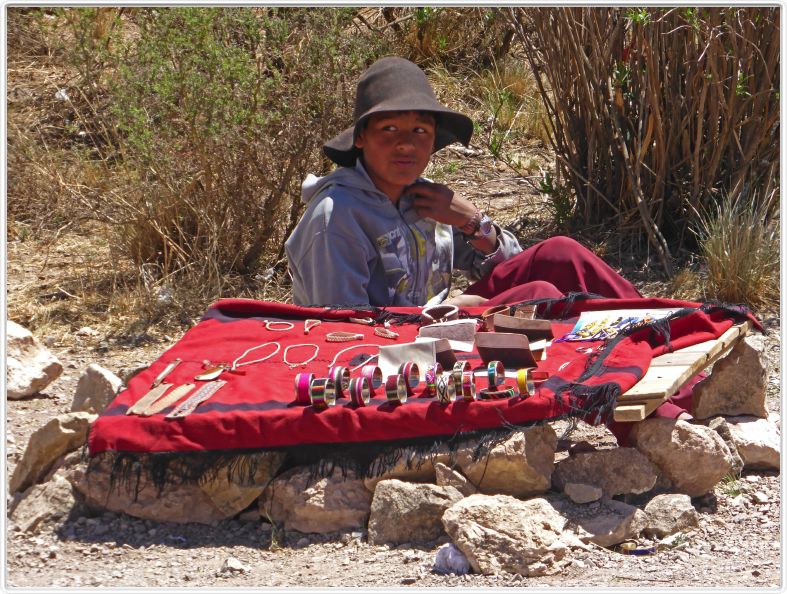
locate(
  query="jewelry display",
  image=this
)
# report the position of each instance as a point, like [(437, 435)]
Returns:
[(270, 323), (150, 396), (342, 336), (396, 389), (374, 375), (359, 391), (322, 393), (525, 383), (302, 383), (165, 401), (167, 370), (386, 333), (309, 324), (186, 407), (355, 346), (340, 376), (300, 363)]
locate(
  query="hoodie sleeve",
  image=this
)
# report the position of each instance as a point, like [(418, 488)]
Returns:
[(329, 261), (476, 264)]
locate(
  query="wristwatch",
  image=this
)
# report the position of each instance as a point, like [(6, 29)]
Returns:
[(478, 227)]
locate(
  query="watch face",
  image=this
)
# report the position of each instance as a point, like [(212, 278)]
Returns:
[(486, 225)]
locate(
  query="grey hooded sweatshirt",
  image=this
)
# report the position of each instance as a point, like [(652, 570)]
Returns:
[(354, 246)]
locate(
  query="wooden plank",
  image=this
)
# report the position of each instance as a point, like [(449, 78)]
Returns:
[(667, 374)]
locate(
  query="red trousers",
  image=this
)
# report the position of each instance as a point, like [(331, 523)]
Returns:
[(551, 269)]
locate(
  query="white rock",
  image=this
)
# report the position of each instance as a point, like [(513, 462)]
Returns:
[(233, 565), (582, 493), (449, 559), (95, 389), (408, 512), (30, 367), (670, 513), (447, 477), (500, 533), (520, 465), (758, 441), (737, 384), (60, 435), (693, 458), (300, 502)]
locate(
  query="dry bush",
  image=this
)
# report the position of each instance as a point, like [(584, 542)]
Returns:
[(654, 111)]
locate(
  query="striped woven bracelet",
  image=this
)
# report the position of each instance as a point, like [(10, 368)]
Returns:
[(374, 375), (396, 389), (302, 383), (446, 391), (341, 379), (430, 378), (488, 394), (412, 375), (496, 373), (322, 393), (359, 391), (468, 386)]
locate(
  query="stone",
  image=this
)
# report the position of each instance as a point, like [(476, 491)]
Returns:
[(582, 493), (499, 533), (521, 465), (670, 513), (96, 388), (616, 471), (693, 458), (737, 384), (60, 435), (298, 501), (412, 466), (447, 477), (758, 441), (233, 565), (44, 503), (209, 501), (606, 522), (404, 512), (30, 366), (722, 427)]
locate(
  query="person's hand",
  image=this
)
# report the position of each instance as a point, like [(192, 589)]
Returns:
[(465, 300), (438, 202)]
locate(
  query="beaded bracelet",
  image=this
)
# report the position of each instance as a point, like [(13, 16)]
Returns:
[(302, 383), (359, 391), (322, 393), (396, 389)]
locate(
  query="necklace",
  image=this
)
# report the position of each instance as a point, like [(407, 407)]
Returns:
[(309, 324), (355, 346), (235, 363), (300, 363), (270, 323)]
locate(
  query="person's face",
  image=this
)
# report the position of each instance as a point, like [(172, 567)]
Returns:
[(396, 148)]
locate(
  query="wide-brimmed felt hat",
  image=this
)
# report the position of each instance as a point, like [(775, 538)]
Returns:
[(396, 84)]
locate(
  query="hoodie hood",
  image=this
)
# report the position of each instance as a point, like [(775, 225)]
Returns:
[(348, 177)]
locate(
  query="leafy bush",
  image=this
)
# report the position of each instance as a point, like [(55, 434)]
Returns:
[(216, 116)]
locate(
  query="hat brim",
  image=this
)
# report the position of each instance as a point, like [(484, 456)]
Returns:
[(452, 127)]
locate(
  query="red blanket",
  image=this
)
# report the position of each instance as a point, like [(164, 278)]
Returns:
[(255, 410)]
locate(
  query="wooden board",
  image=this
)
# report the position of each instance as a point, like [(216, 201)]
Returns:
[(667, 374)]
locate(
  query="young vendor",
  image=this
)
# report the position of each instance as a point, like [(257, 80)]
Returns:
[(375, 232)]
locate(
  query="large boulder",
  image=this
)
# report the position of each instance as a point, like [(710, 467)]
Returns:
[(606, 522), (521, 465), (411, 465), (212, 499), (758, 441), (60, 435), (500, 533), (297, 500), (95, 389), (408, 512), (722, 427), (617, 471), (737, 384), (692, 458), (30, 367), (670, 513)]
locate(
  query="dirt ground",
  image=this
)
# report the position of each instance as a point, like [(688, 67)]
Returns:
[(737, 544)]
